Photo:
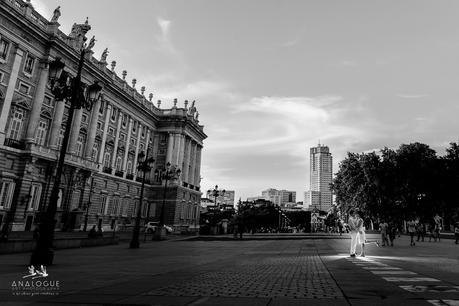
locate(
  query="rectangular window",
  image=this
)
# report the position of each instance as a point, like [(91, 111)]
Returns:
[(134, 210), (16, 124), (107, 158), (29, 64), (122, 136), (125, 207), (111, 131), (42, 131), (115, 206), (4, 48), (35, 194), (106, 205), (133, 141), (99, 126), (23, 88), (84, 118), (1, 77), (103, 202), (80, 145), (6, 193)]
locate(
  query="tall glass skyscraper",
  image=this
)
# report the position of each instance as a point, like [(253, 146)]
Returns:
[(320, 196)]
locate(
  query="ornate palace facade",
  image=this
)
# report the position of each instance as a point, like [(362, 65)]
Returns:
[(100, 179)]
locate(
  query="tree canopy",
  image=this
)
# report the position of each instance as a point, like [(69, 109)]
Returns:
[(398, 184)]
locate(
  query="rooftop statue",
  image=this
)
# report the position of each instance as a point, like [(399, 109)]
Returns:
[(56, 14), (103, 57)]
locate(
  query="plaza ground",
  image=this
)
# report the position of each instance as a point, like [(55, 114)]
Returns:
[(260, 271)]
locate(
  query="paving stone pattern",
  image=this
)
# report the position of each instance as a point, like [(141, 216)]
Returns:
[(280, 275)]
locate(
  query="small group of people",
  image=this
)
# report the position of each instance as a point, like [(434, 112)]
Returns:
[(388, 233)]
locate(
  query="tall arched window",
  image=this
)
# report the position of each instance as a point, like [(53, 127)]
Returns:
[(95, 150), (107, 158), (80, 144), (119, 163), (42, 132), (16, 124), (129, 167)]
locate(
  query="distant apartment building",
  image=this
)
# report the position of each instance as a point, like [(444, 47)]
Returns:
[(320, 195), (279, 197)]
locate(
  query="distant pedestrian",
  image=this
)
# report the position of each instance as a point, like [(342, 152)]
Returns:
[(456, 232), (437, 228), (411, 230), (392, 232), (420, 230), (383, 227), (431, 232)]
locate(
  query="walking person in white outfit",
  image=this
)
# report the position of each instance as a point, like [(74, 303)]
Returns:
[(353, 231)]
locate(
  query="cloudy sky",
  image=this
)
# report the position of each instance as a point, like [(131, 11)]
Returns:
[(273, 78)]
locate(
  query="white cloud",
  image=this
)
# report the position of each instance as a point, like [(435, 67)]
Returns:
[(164, 40)]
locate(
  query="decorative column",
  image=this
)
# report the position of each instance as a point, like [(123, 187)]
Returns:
[(57, 123), (181, 151), (197, 175), (126, 150), (192, 163), (75, 131), (147, 140), (117, 138), (186, 159), (9, 93), (170, 148), (37, 102), (134, 166), (104, 135), (92, 130)]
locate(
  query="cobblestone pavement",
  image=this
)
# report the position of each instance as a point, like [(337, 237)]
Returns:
[(292, 276), (257, 272)]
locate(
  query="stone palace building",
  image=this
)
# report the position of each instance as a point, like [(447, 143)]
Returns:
[(100, 178)]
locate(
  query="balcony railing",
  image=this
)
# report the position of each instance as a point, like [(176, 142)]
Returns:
[(119, 173), (138, 179), (13, 143), (107, 170), (129, 176)]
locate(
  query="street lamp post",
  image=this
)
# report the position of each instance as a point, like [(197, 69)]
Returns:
[(216, 193), (64, 88), (169, 173), (144, 164)]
